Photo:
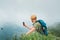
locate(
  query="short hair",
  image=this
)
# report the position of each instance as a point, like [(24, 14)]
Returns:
[(33, 17)]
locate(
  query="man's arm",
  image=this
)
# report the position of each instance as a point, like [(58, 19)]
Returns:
[(31, 30), (25, 25)]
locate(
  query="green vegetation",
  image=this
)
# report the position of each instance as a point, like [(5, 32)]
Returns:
[(55, 29), (37, 36), (54, 34)]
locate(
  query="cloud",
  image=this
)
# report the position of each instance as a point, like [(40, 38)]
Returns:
[(17, 10)]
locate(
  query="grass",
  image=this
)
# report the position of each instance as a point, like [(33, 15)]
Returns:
[(37, 36)]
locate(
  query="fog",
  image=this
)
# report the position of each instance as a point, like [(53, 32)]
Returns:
[(17, 11)]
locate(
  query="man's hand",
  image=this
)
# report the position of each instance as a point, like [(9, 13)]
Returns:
[(24, 24), (27, 26)]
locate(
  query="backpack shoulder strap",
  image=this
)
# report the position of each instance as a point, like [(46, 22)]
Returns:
[(43, 24)]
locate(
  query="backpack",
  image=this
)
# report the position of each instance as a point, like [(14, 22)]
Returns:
[(43, 25)]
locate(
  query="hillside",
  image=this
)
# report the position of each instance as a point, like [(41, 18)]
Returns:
[(54, 34), (36, 36)]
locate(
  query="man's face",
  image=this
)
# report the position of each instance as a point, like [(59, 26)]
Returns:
[(33, 20)]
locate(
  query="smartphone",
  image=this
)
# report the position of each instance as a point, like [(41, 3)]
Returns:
[(23, 23)]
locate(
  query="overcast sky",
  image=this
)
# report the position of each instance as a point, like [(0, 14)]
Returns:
[(21, 10)]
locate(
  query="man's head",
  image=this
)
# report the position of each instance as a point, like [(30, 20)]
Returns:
[(33, 18)]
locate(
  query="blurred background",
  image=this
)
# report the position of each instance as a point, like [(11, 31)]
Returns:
[(14, 12)]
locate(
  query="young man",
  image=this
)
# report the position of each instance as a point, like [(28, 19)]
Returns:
[(37, 26)]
